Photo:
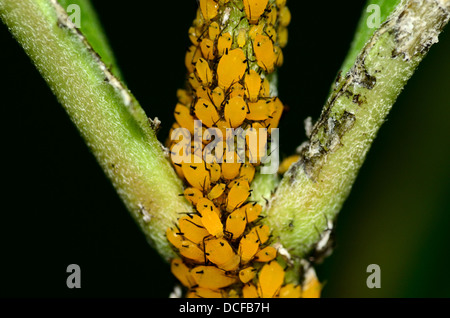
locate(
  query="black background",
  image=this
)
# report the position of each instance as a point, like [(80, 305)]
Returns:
[(57, 207)]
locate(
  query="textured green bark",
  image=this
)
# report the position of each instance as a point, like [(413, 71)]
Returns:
[(92, 29), (108, 117), (314, 189)]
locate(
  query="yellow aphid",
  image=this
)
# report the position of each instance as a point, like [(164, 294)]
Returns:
[(180, 148), (218, 97), (202, 92), (206, 204), (247, 274), (274, 119), (219, 252), (200, 292), (233, 293), (241, 37), (262, 232), (224, 44), (213, 31), (182, 272), (198, 21), (280, 3), (190, 250), (192, 228), (209, 9), (270, 279), (255, 30), (207, 48), (280, 57), (266, 254), (290, 291), (230, 170), (237, 89), (193, 36), (197, 175), (211, 221), (252, 211), (211, 277), (231, 68), (183, 97), (311, 286), (272, 15), (193, 80), (216, 191), (236, 223), (235, 111), (286, 163), (192, 56), (265, 88), (248, 247), (256, 139), (174, 236), (264, 53), (232, 183), (203, 72), (247, 172), (178, 170), (283, 36), (252, 83), (184, 118), (191, 294), (271, 33), (285, 17), (238, 195), (250, 291), (214, 171), (206, 112), (261, 110), (254, 9)]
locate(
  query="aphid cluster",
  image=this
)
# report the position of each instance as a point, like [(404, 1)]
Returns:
[(224, 247)]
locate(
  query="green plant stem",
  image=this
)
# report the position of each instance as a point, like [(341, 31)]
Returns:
[(313, 190), (92, 29), (108, 117)]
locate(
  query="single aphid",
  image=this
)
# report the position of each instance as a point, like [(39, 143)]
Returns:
[(254, 9), (211, 277), (270, 279)]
